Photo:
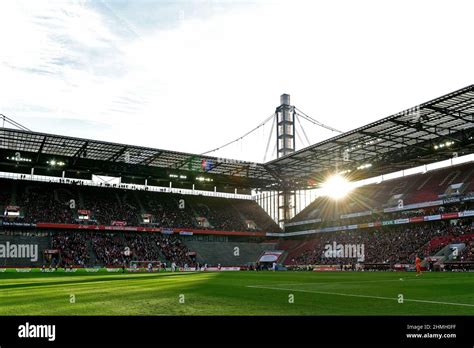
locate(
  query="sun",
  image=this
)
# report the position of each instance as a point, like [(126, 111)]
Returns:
[(336, 187)]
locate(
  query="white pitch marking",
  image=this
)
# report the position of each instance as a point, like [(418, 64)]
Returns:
[(363, 296), (356, 281)]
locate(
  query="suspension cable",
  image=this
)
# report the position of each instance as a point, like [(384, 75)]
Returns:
[(241, 137), (13, 123), (316, 122), (298, 112), (302, 128), (269, 139)]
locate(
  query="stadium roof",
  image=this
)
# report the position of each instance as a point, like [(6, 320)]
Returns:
[(427, 133), (113, 157)]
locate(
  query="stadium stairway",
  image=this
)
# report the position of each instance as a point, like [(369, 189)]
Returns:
[(239, 213), (139, 202), (447, 253), (14, 193), (92, 256), (296, 248), (283, 257), (81, 200)]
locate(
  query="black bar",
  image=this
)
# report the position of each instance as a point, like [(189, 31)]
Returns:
[(328, 330)]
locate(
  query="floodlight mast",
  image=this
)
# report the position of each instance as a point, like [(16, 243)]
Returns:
[(285, 116)]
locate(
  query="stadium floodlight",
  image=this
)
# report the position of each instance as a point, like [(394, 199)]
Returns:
[(18, 158), (336, 187), (364, 166), (201, 178), (442, 145), (56, 163)]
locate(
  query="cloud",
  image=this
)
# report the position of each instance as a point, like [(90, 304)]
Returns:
[(60, 57)]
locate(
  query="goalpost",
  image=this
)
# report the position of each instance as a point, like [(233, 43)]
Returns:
[(145, 266)]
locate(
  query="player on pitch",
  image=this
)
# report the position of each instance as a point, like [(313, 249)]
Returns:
[(418, 266)]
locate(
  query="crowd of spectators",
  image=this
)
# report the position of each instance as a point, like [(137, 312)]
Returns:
[(387, 245), (58, 203), (468, 252), (119, 249), (169, 211), (72, 247), (433, 185), (174, 250), (105, 207), (40, 205), (109, 249), (220, 218), (449, 208)]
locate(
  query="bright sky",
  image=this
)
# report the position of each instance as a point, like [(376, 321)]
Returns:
[(192, 75)]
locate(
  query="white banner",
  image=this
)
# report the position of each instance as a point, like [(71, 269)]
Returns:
[(271, 256), (432, 217)]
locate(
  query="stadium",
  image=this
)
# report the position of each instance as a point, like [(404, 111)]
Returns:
[(91, 227)]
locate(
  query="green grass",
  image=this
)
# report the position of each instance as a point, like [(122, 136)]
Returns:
[(236, 293)]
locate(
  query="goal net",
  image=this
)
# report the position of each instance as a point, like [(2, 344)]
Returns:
[(145, 266)]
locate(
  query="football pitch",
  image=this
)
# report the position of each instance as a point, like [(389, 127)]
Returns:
[(237, 293)]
